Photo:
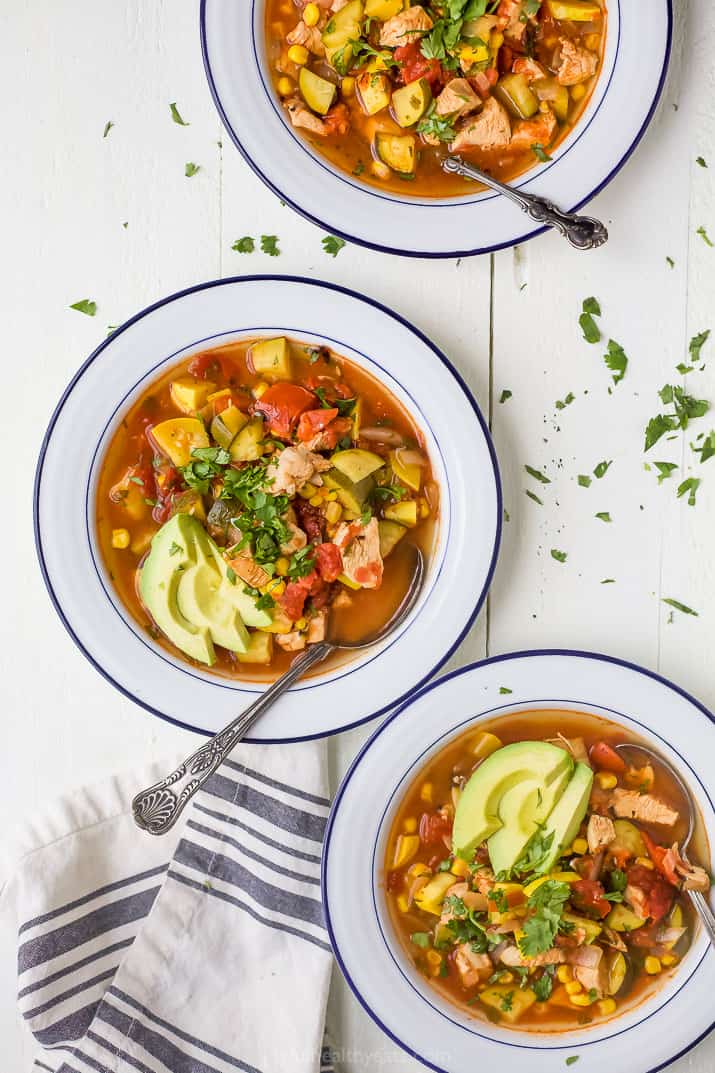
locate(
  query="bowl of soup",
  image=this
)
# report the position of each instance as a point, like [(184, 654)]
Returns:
[(247, 469), (524, 878), (349, 110)]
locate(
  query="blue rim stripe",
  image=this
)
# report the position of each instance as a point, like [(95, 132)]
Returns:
[(429, 254), (261, 278), (491, 660)]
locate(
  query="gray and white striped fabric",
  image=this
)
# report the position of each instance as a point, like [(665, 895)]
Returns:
[(203, 951)]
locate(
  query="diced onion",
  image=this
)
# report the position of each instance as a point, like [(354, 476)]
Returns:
[(382, 434), (409, 457)]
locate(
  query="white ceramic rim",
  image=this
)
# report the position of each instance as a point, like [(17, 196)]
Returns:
[(376, 969), (618, 113), (458, 442)]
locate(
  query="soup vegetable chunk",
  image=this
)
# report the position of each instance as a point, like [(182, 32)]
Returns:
[(534, 872), (386, 89), (256, 491)]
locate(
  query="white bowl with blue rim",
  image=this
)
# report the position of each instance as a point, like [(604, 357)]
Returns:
[(642, 1039), (621, 106), (413, 369)]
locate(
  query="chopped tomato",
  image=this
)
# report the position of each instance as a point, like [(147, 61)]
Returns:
[(282, 405), (337, 120), (297, 592), (334, 433), (310, 519), (207, 365), (663, 858), (415, 65), (434, 827), (605, 757), (328, 561), (314, 421), (587, 896), (483, 81), (331, 389), (657, 894)]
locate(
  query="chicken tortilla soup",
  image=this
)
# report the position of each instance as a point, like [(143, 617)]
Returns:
[(258, 494), (535, 871), (386, 89)]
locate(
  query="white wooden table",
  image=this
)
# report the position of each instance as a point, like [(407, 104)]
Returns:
[(115, 219)]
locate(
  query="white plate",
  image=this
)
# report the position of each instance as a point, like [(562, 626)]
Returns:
[(627, 91), (641, 1040), (369, 334)]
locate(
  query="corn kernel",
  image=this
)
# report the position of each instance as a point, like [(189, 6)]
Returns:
[(434, 961), (646, 862), (306, 491), (311, 14), (564, 974), (668, 960), (278, 588), (506, 978), (424, 508), (652, 965), (380, 170), (120, 538), (285, 86), (580, 845), (419, 868), (591, 41), (347, 86), (410, 825), (298, 54), (426, 792), (260, 389), (460, 868), (403, 903), (333, 512), (315, 501), (282, 566), (331, 497), (579, 1000), (301, 623), (496, 40), (578, 92), (607, 1006), (573, 987), (606, 780)]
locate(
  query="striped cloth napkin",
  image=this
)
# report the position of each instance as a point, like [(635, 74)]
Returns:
[(203, 951)]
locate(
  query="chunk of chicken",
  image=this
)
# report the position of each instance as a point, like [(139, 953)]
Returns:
[(317, 627), (512, 21), (300, 116), (297, 540), (528, 67), (577, 64), (291, 642), (575, 746), (536, 131), (406, 27), (343, 599), (613, 939), (629, 804), (457, 99), (294, 468), (589, 968), (471, 899), (360, 549), (488, 130), (249, 571), (484, 880), (308, 36), (472, 968), (599, 833), (511, 956), (693, 876)]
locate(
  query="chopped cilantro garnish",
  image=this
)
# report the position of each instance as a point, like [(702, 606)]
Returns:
[(506, 394), (701, 161), (571, 1059), (604, 516), (332, 245), (191, 169), (176, 116), (689, 485), (685, 409), (696, 344), (537, 474), (231, 574), (616, 360), (437, 126), (269, 245), (590, 309), (532, 495), (561, 404), (507, 1001), (539, 151), (175, 548), (584, 480), (671, 262), (679, 607), (544, 985), (540, 929), (85, 306), (107, 127), (704, 236), (504, 690), (601, 469), (665, 470), (560, 556), (244, 245)]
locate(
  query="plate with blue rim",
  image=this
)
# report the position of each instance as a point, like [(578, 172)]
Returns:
[(621, 106), (647, 1035), (466, 543)]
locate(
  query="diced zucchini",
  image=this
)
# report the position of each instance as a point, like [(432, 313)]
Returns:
[(190, 502), (404, 512), (271, 357), (573, 10), (514, 93), (621, 918), (548, 89), (628, 841), (382, 10), (350, 495), (247, 446), (227, 425), (617, 967), (410, 102), (260, 648), (511, 1003), (177, 438), (397, 151), (406, 472), (357, 463), (373, 91), (592, 929), (318, 93), (430, 897), (391, 533), (343, 26), (188, 394)]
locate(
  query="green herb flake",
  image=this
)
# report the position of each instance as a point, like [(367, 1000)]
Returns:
[(504, 690), (539, 151), (421, 939), (608, 581), (175, 548), (175, 115), (506, 394), (332, 245), (601, 469), (696, 344), (560, 556), (679, 607), (590, 308), (231, 574), (244, 245), (572, 1058), (191, 169), (670, 262), (561, 404), (706, 449), (665, 470), (604, 516), (269, 245), (701, 161), (537, 474), (107, 127), (532, 495), (704, 236), (616, 360), (584, 480), (86, 306), (689, 486)]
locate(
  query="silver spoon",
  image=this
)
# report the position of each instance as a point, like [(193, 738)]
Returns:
[(698, 900), (583, 232), (157, 808)]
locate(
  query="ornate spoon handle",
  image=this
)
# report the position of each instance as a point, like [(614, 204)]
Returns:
[(702, 907), (583, 232), (157, 808)]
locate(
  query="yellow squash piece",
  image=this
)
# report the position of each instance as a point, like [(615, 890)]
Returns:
[(410, 102), (178, 437), (248, 446), (373, 92), (260, 648), (510, 1002), (318, 93), (227, 425), (405, 849), (485, 744), (391, 533), (343, 26), (431, 896), (404, 512), (397, 151), (271, 357), (382, 10), (573, 10), (408, 473), (189, 395), (357, 464)]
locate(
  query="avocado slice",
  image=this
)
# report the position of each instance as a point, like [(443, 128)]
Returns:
[(567, 815), (477, 816), (173, 550), (522, 810), (232, 590), (202, 600)]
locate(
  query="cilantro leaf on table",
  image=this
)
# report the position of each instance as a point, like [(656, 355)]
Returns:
[(707, 448), (506, 394), (685, 409), (532, 495), (604, 516), (560, 556), (689, 485), (701, 161), (244, 245), (269, 245), (590, 308), (679, 606), (584, 480), (601, 469), (107, 127), (616, 360), (561, 404), (704, 236), (537, 474), (191, 169), (332, 245), (176, 116), (86, 306), (696, 344), (665, 470)]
